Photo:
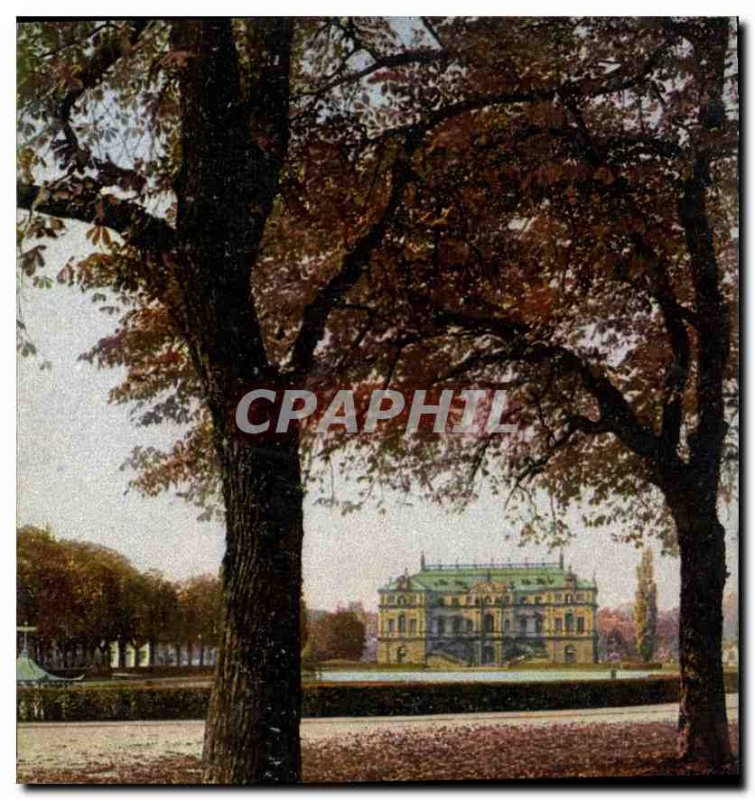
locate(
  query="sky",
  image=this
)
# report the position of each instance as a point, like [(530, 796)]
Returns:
[(72, 444)]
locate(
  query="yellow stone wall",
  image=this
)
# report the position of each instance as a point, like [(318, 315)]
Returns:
[(404, 617), (413, 651)]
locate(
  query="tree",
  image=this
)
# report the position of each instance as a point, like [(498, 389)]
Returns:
[(583, 255), (158, 611), (214, 100), (200, 600), (79, 595), (339, 634), (314, 200), (645, 606)]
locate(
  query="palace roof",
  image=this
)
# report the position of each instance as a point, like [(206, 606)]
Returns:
[(524, 577)]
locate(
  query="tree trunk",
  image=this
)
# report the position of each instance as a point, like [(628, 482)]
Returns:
[(703, 728), (225, 191), (252, 732)]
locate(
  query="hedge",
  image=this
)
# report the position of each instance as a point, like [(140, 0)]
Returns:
[(80, 703)]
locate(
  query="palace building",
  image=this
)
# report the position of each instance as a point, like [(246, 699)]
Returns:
[(489, 614)]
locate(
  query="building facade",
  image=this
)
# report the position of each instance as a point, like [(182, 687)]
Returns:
[(494, 614)]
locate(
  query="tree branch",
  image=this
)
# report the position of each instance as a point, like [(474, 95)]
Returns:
[(586, 88), (83, 201), (108, 50), (405, 58), (616, 415), (353, 266)]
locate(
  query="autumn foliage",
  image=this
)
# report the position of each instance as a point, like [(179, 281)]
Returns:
[(83, 597)]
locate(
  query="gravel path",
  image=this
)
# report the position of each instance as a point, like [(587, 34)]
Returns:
[(110, 747)]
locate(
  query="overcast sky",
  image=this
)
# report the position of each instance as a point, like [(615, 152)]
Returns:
[(72, 443)]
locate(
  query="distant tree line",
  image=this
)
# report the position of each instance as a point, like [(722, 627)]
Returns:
[(82, 597)]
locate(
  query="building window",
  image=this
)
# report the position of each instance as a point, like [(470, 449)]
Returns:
[(391, 599), (401, 600), (412, 626), (454, 601), (441, 626), (558, 598), (470, 626), (488, 601), (506, 625), (523, 625), (569, 598), (439, 601), (538, 624), (456, 625), (488, 623), (538, 600), (391, 625), (559, 624), (580, 597), (580, 624), (570, 654), (401, 623), (570, 623)]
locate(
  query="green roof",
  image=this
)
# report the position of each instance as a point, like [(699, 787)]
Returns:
[(29, 672), (524, 577)]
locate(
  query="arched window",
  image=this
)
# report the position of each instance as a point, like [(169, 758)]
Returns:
[(401, 600), (570, 654), (507, 625), (401, 623), (488, 623), (523, 626), (570, 623)]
